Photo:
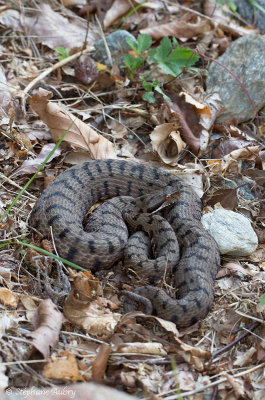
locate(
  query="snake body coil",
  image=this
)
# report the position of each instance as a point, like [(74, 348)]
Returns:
[(66, 200)]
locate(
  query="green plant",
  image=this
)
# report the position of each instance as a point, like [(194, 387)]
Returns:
[(64, 52), (134, 10), (169, 57), (256, 5), (230, 4), (262, 300), (24, 242)]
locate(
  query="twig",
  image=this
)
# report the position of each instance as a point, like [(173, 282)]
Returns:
[(213, 384), (6, 179), (49, 70), (228, 346)]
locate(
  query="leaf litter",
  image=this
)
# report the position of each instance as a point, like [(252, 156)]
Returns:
[(87, 337)]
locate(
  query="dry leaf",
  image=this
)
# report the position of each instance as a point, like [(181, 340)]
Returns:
[(185, 380), (229, 25), (142, 348), (79, 135), (245, 358), (235, 267), (73, 3), (30, 166), (178, 28), (186, 131), (47, 322), (7, 95), (43, 21), (29, 305), (9, 320), (85, 308), (207, 112), (118, 9), (94, 317), (8, 298), (247, 153), (237, 384), (226, 197), (99, 365), (62, 368), (167, 142)]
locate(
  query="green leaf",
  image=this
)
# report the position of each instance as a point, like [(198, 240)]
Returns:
[(149, 97), (163, 50), (131, 62), (151, 55), (175, 42), (64, 52), (144, 42), (262, 301), (177, 60), (159, 90), (2, 217), (256, 4), (133, 44), (232, 6), (147, 86)]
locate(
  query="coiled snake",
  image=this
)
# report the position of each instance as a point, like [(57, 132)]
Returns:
[(66, 200)]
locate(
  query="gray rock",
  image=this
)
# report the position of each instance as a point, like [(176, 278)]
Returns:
[(246, 58), (245, 189), (117, 43), (232, 232), (246, 10)]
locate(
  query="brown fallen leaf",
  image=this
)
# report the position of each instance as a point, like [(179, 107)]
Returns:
[(47, 322), (86, 308), (30, 166), (186, 133), (219, 18), (99, 365), (245, 358), (118, 9), (207, 110), (8, 298), (178, 28), (43, 20), (235, 267), (226, 197), (186, 380), (80, 135), (237, 384), (62, 368), (167, 142), (142, 348), (247, 153), (7, 96)]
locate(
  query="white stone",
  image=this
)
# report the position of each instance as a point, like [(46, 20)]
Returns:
[(232, 232)]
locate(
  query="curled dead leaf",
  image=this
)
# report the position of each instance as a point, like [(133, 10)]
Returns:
[(167, 142), (80, 135), (47, 322), (84, 306), (118, 9), (186, 132)]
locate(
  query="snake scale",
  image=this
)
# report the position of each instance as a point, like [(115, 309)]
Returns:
[(65, 201)]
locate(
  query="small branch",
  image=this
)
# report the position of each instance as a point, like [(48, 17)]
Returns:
[(228, 346), (48, 71)]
